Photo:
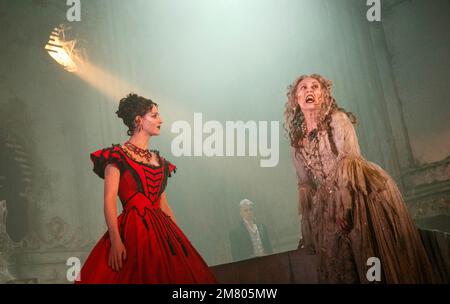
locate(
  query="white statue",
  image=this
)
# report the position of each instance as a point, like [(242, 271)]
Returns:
[(6, 244)]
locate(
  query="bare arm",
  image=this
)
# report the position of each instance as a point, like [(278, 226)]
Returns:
[(112, 177), (166, 208), (117, 252)]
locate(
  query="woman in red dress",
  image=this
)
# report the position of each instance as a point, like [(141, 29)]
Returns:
[(144, 244)]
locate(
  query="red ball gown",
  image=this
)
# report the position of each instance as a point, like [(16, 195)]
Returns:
[(158, 252)]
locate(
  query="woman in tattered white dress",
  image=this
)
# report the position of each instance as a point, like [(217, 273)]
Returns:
[(351, 208)]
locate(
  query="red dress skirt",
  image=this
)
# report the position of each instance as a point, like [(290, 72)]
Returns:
[(158, 252)]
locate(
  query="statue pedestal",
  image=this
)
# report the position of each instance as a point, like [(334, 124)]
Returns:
[(44, 267)]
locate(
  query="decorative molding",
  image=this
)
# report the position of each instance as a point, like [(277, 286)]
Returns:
[(40, 258), (430, 206), (57, 236), (428, 189), (6, 245), (428, 173), (44, 266), (427, 180)]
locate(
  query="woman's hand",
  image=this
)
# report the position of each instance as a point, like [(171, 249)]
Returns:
[(117, 254)]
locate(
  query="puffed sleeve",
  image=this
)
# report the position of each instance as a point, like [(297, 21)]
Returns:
[(344, 135), (171, 168), (104, 157)]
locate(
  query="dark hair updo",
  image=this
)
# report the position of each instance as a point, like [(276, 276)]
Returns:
[(132, 106)]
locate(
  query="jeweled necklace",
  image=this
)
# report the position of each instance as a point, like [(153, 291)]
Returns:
[(144, 153)]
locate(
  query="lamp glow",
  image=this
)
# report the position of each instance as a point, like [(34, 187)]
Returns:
[(62, 50)]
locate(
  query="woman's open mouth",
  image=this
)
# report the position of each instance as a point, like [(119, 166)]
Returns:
[(310, 99)]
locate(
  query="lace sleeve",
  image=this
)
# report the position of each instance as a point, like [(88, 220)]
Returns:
[(305, 197), (344, 135), (302, 177), (171, 168), (104, 157)]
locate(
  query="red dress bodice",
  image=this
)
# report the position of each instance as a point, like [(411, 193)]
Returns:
[(135, 177)]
